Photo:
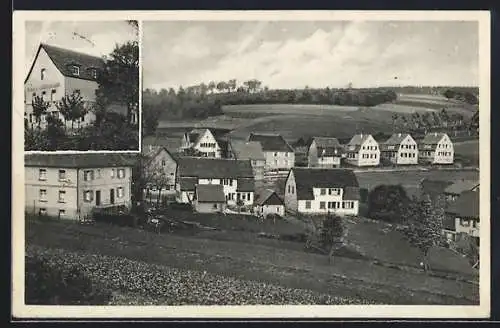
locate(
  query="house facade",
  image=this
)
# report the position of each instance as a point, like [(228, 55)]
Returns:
[(400, 149), (322, 191), (235, 177), (249, 150), (324, 153), (363, 150), (209, 198), (267, 202), (202, 143), (278, 153), (69, 187), (464, 212), (171, 143), (159, 171), (436, 148)]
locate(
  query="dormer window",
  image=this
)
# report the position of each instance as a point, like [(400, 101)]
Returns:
[(75, 70), (42, 74)]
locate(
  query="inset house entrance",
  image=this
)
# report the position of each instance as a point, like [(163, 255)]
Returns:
[(97, 197), (111, 196)]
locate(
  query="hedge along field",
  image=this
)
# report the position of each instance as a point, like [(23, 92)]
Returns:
[(162, 285)]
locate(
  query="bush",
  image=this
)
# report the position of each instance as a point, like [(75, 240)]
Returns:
[(181, 207), (388, 203), (48, 284)]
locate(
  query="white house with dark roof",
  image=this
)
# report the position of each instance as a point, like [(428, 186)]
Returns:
[(322, 191), (400, 149), (363, 150), (209, 198), (462, 216), (71, 186), (159, 171), (279, 154), (436, 148), (235, 176), (57, 72), (324, 152), (203, 142), (267, 202), (249, 150)]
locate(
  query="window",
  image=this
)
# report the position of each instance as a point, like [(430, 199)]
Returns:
[(98, 173), (93, 71), (348, 205), (88, 175), (322, 205), (215, 206), (62, 195), (62, 175), (52, 94), (308, 204), (330, 205), (88, 196), (43, 195), (42, 211), (42, 174), (119, 192), (286, 154), (293, 189), (42, 74), (113, 173), (243, 196), (44, 95), (33, 94), (322, 191), (289, 189), (62, 213), (31, 118), (75, 70), (248, 196), (163, 163), (275, 154)]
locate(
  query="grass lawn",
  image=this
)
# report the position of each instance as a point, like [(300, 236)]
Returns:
[(468, 151)]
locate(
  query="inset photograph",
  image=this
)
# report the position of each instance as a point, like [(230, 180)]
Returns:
[(81, 87)]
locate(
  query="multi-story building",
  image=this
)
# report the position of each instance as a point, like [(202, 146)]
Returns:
[(249, 150), (202, 143), (322, 191), (70, 186), (436, 148), (279, 154), (324, 153), (462, 216), (400, 149), (363, 150), (159, 172)]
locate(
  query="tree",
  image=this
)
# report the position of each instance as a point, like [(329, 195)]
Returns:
[(211, 86), (55, 133), (221, 86), (388, 203), (153, 176), (332, 234), (40, 107), (72, 107), (150, 118), (425, 225), (449, 94), (119, 80), (232, 85)]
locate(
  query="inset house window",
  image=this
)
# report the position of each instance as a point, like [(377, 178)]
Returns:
[(62, 195), (75, 70), (88, 175), (42, 174), (42, 74), (308, 204), (119, 192), (43, 195), (62, 175), (88, 196)]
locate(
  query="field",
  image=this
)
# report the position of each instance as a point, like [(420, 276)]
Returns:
[(384, 272)]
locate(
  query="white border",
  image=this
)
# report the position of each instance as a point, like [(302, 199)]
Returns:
[(373, 311)]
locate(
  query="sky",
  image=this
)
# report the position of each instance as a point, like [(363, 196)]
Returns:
[(286, 54), (102, 36)]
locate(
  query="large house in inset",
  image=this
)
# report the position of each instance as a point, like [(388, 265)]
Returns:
[(71, 186), (249, 150), (436, 148), (235, 176), (324, 152), (400, 149), (322, 191), (201, 143), (57, 72), (279, 154), (363, 150)]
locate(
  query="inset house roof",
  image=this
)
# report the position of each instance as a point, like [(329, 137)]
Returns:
[(210, 193), (92, 160), (465, 206), (432, 138), (307, 179), (271, 142), (247, 150), (214, 168), (460, 186), (328, 146), (64, 59), (268, 197)]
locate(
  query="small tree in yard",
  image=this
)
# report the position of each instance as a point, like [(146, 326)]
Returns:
[(425, 225), (72, 107), (40, 107), (387, 203), (332, 235)]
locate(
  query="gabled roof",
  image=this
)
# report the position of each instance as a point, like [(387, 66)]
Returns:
[(395, 141), (306, 179), (328, 146), (92, 160), (64, 58), (245, 184), (151, 155), (173, 144), (247, 150), (210, 193), (432, 138), (465, 206), (460, 186), (271, 142), (268, 197), (358, 139), (214, 168)]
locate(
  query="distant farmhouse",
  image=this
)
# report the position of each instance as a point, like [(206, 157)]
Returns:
[(324, 153), (279, 154), (462, 216), (71, 186), (363, 150), (57, 72), (236, 177), (322, 191), (436, 148), (249, 150), (267, 202), (400, 149)]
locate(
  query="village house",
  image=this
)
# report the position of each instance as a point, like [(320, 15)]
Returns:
[(324, 153), (56, 73), (453, 191), (209, 198), (436, 148), (171, 143), (462, 216), (267, 202), (363, 150), (71, 186), (202, 143), (236, 177), (400, 149), (322, 191), (159, 171), (279, 154), (249, 150)]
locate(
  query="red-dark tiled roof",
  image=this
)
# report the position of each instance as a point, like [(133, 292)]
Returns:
[(306, 179), (271, 142)]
